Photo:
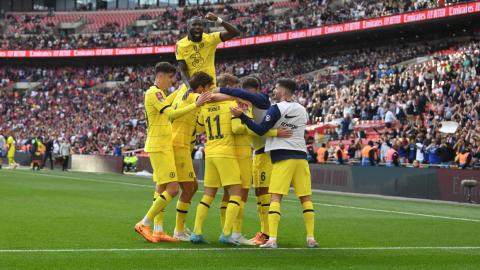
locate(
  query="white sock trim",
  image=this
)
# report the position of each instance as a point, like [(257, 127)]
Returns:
[(146, 221), (236, 235), (272, 239), (310, 238)]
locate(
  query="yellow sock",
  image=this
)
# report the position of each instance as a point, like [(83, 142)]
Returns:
[(231, 215), (223, 211), (265, 199), (158, 220), (31, 165), (10, 162), (259, 209), (202, 211), (182, 210), (308, 217), (237, 225), (159, 205), (274, 218)]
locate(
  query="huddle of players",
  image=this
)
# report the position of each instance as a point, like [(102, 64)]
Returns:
[(171, 137)]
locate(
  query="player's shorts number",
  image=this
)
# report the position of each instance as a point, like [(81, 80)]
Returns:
[(262, 177)]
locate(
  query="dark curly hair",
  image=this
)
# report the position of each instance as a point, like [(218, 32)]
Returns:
[(200, 78)]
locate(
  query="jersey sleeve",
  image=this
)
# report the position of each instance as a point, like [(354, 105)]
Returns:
[(179, 53), (172, 97), (175, 114), (159, 100), (272, 116), (217, 39), (256, 99)]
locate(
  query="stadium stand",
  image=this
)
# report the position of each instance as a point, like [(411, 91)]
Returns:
[(252, 19)]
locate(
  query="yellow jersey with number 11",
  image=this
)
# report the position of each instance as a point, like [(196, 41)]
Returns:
[(216, 120)]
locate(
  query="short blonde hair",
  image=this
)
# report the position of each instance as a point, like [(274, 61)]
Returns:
[(227, 79)]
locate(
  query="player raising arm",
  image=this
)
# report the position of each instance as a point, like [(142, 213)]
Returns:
[(289, 157), (196, 52)]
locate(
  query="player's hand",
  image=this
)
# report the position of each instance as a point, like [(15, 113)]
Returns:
[(284, 132), (211, 17), (204, 98), (236, 111), (216, 90), (246, 102)]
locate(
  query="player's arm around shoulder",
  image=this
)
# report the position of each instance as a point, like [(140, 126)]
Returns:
[(175, 114)]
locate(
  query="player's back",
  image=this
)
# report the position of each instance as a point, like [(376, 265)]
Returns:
[(159, 128), (217, 119), (243, 143), (183, 128)]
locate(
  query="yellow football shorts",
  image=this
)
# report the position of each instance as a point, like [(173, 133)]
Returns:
[(220, 172), (295, 171), (262, 170), (245, 165), (184, 165), (163, 164)]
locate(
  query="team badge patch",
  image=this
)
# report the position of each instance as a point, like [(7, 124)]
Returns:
[(190, 175), (195, 47), (159, 97), (201, 45), (172, 175)]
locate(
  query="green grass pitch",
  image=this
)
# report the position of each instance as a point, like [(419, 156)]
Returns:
[(55, 220)]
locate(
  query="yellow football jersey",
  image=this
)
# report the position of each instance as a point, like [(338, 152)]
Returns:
[(183, 128), (199, 56), (11, 146), (216, 120), (243, 144), (159, 128)]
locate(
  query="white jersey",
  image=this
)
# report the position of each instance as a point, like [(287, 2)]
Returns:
[(293, 116), (258, 115)]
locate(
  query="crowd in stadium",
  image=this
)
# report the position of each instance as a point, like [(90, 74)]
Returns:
[(254, 20), (448, 84)]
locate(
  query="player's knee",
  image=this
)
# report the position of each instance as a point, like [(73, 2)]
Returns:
[(189, 190), (173, 189)]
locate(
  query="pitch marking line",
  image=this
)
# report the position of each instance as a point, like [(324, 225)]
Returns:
[(285, 200), (224, 249)]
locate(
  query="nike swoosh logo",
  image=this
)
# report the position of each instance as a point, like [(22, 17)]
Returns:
[(186, 51), (288, 117)]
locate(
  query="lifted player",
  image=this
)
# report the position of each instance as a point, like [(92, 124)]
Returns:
[(196, 52)]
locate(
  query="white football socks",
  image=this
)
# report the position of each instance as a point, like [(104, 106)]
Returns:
[(236, 235), (146, 221), (310, 238)]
